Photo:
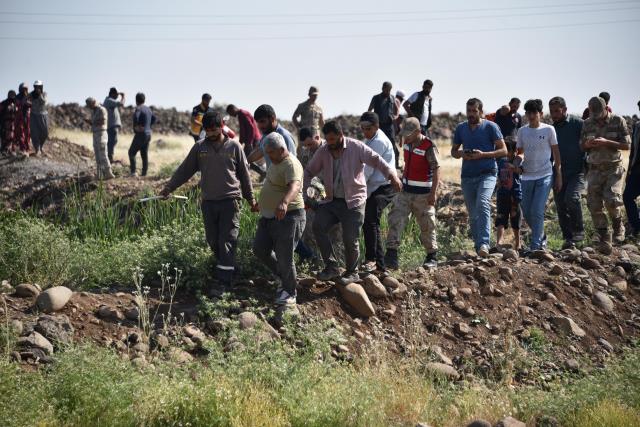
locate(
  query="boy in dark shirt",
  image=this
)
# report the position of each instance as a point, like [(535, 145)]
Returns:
[(508, 197)]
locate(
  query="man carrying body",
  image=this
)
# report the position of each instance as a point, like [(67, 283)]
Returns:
[(340, 163), (39, 117), (419, 106), (478, 142), (604, 136), (379, 191), (282, 218), (98, 124), (249, 133), (309, 112), (113, 104), (224, 180), (568, 130), (420, 180), (197, 114), (143, 119), (385, 106)]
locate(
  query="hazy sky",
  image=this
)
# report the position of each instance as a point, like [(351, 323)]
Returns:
[(255, 52)]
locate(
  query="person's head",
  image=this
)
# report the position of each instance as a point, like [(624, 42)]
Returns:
[(212, 123), (309, 139), (639, 105), (369, 123), (90, 102), (11, 95), (386, 88), (140, 98), (333, 134), (232, 110), (113, 93), (514, 105), (533, 110), (38, 86), (23, 89), (557, 108), (597, 108), (313, 93), (474, 111), (400, 95), (410, 130), (206, 100), (504, 110), (275, 147), (265, 118), (427, 85), (606, 96)]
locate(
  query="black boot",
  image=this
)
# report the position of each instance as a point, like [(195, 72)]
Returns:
[(391, 259)]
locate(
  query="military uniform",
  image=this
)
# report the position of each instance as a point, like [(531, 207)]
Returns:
[(99, 129), (605, 172), (310, 115)]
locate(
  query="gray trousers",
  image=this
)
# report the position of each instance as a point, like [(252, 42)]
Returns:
[(330, 214), (100, 150), (568, 206), (39, 130), (274, 244), (221, 227)]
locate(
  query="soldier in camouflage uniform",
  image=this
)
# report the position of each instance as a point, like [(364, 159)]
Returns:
[(604, 136), (309, 113)]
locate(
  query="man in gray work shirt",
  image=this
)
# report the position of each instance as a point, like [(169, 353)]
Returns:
[(224, 180), (112, 103)]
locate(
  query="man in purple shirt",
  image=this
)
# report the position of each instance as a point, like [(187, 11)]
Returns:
[(340, 165)]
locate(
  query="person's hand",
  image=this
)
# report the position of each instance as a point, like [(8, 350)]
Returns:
[(254, 206), (557, 184), (396, 183), (600, 142), (591, 143), (474, 155), (431, 198), (165, 193), (281, 210)]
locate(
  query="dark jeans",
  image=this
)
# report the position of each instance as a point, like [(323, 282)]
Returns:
[(390, 131), (112, 140), (274, 244), (221, 227), (330, 214), (568, 206), (140, 143), (373, 243), (631, 193)]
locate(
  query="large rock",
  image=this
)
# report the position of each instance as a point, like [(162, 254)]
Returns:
[(510, 255), (178, 355), (568, 326), (356, 297), (110, 313), (373, 287), (57, 329), (36, 340), (53, 299), (590, 263), (603, 301), (391, 282), (27, 290), (510, 422), (442, 370), (247, 320)]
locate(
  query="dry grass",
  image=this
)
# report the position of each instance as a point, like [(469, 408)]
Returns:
[(172, 148)]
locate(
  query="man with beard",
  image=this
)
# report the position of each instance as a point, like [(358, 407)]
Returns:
[(419, 106), (340, 163), (478, 142), (267, 122), (8, 114), (39, 117), (197, 114), (604, 137), (386, 108), (23, 131), (112, 104)]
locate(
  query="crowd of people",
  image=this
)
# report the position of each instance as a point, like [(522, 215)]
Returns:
[(318, 195)]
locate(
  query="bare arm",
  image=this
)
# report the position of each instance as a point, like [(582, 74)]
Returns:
[(294, 118), (407, 108), (293, 188), (255, 155)]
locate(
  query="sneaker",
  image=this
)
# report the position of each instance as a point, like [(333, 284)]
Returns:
[(349, 277), (391, 259), (369, 266), (285, 298), (483, 251), (430, 261), (133, 174), (568, 244), (328, 273)]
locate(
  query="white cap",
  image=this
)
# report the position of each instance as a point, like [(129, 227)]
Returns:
[(400, 94), (38, 83)]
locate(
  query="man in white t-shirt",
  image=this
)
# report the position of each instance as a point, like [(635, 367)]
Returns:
[(536, 143), (419, 106)]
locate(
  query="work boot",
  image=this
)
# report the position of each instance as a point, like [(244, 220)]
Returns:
[(391, 259), (329, 273), (604, 242), (618, 231), (430, 261), (349, 277)]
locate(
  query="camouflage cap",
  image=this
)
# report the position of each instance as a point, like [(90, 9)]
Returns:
[(597, 105), (409, 126)]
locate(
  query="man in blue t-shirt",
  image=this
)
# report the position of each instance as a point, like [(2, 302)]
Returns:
[(478, 142), (267, 122), (143, 119)]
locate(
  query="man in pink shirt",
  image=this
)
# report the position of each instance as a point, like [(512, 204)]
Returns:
[(340, 165)]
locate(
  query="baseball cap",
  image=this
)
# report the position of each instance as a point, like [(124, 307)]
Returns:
[(313, 90), (38, 83), (409, 126), (400, 94)]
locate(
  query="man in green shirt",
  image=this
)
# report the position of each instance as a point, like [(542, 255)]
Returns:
[(282, 218)]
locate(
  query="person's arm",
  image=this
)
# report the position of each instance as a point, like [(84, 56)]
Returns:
[(456, 145), (407, 108), (557, 168), (184, 172), (293, 188), (255, 155), (434, 165), (371, 104), (429, 118), (321, 120), (313, 169), (242, 172), (373, 159), (154, 119), (625, 144), (294, 118)]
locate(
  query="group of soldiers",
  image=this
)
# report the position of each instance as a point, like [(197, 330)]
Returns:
[(24, 120)]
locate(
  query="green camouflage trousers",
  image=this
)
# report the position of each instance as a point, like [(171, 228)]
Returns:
[(406, 204), (604, 190)]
